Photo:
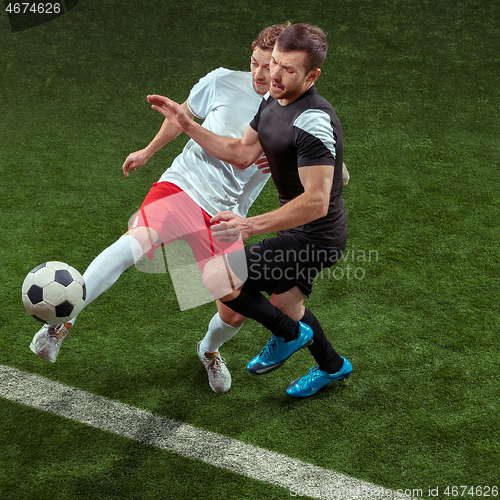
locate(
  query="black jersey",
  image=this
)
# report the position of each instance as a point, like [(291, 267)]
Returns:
[(306, 132)]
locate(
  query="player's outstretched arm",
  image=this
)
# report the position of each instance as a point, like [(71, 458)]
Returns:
[(166, 133), (239, 152)]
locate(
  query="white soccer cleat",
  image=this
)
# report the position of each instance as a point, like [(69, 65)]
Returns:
[(47, 342), (219, 377)]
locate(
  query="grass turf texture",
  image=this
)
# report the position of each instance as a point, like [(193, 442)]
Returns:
[(416, 86)]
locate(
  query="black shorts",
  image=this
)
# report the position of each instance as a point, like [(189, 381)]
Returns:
[(276, 265)]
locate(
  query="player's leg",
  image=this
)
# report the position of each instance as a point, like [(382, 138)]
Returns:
[(262, 260), (101, 274), (247, 300), (237, 282), (224, 325), (226, 322), (112, 262), (108, 266), (292, 303), (150, 224), (331, 366), (287, 334), (223, 276)]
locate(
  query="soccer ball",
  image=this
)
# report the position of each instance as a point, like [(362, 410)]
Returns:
[(54, 292)]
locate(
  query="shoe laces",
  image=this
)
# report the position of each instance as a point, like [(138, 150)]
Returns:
[(269, 348), (216, 364), (57, 332), (313, 374)]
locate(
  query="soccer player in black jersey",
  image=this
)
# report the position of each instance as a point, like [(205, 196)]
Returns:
[(301, 136)]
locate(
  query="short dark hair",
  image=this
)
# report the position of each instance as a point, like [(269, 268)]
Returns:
[(268, 36), (308, 38)]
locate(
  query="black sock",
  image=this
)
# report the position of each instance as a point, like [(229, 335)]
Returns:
[(325, 355), (252, 304)]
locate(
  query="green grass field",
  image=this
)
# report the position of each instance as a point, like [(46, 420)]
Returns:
[(414, 305)]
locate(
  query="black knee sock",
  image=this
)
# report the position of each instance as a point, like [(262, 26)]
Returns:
[(325, 355), (252, 304)]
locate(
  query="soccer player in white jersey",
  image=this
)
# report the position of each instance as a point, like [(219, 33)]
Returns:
[(227, 101)]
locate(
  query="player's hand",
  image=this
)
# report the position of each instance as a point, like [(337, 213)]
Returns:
[(228, 227), (263, 165), (171, 110), (134, 161)]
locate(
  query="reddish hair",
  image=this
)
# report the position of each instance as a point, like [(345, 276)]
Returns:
[(268, 36)]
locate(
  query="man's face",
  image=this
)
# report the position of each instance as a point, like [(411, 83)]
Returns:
[(288, 75), (259, 66)]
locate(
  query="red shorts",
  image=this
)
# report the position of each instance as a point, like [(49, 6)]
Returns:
[(174, 215)]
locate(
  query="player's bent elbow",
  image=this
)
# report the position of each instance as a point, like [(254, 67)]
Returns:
[(317, 202), (245, 156), (325, 210), (243, 162), (321, 208)]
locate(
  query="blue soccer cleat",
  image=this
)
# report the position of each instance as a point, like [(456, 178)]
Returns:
[(316, 379), (277, 351)]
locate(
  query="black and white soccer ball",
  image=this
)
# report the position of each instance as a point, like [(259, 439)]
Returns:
[(54, 292)]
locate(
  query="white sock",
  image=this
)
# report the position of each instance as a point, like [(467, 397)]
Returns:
[(218, 333), (109, 265)]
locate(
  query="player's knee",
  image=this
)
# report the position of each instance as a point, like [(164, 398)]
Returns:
[(213, 277), (145, 236), (219, 279), (232, 318), (291, 304)]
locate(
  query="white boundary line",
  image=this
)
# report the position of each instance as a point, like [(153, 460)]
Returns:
[(299, 478)]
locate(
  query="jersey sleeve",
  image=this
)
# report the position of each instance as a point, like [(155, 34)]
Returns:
[(202, 95), (255, 122), (315, 138)]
